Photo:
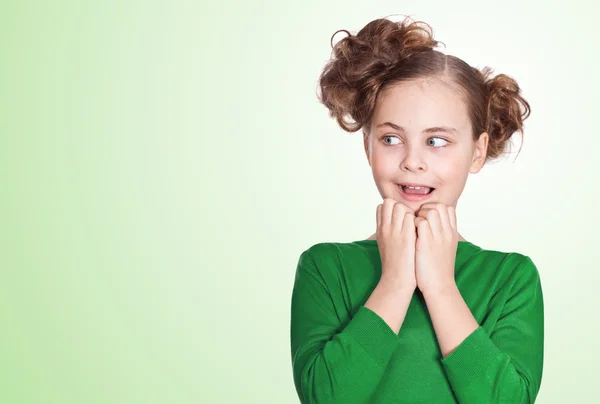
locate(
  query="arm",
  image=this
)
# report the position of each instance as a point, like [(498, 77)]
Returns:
[(335, 362), (504, 366)]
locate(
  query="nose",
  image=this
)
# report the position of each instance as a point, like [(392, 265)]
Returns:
[(413, 160)]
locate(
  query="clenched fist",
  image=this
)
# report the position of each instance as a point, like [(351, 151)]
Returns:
[(437, 241), (396, 239)]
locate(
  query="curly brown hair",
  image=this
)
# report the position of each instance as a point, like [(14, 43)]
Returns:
[(384, 53)]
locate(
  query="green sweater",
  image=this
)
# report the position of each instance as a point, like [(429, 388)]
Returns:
[(344, 353)]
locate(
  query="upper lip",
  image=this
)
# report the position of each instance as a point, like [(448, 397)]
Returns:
[(411, 184)]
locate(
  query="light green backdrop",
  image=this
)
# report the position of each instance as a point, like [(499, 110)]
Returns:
[(164, 164)]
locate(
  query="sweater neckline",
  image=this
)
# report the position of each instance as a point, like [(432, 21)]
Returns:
[(464, 243)]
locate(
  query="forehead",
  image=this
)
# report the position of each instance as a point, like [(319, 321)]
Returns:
[(420, 104)]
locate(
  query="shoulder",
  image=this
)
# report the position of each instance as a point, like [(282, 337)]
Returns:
[(330, 250), (337, 255), (512, 264)]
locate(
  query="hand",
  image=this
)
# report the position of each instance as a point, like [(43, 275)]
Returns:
[(437, 241), (396, 238)]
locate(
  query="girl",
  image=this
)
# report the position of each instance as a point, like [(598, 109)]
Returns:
[(416, 313)]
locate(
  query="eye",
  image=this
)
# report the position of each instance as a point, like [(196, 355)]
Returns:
[(389, 137), (439, 143)]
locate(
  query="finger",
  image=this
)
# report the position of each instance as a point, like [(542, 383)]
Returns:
[(398, 212), (444, 218), (442, 214), (432, 205), (378, 216), (423, 212), (386, 211), (435, 222), (422, 227), (408, 224), (452, 217)]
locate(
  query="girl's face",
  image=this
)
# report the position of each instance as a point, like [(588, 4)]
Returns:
[(421, 136)]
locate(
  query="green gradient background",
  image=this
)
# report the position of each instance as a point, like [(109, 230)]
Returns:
[(164, 164)]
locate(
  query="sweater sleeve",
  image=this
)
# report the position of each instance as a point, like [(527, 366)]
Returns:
[(504, 365), (334, 361)]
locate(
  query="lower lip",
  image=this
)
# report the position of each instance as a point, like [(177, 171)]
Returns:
[(414, 197)]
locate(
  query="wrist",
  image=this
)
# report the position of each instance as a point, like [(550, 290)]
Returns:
[(398, 285), (440, 290)]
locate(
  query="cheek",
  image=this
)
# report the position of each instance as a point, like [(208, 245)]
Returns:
[(453, 168), (383, 164)]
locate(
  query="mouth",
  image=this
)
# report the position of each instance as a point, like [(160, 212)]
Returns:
[(416, 189), (415, 192)]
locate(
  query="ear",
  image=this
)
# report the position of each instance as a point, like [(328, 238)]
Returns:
[(366, 145), (480, 153)]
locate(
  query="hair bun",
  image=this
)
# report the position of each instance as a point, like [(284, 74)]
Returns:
[(360, 64), (387, 40), (506, 110)]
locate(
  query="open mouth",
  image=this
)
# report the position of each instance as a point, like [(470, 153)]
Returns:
[(416, 189)]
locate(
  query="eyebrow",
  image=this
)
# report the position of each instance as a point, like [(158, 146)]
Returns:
[(434, 129)]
